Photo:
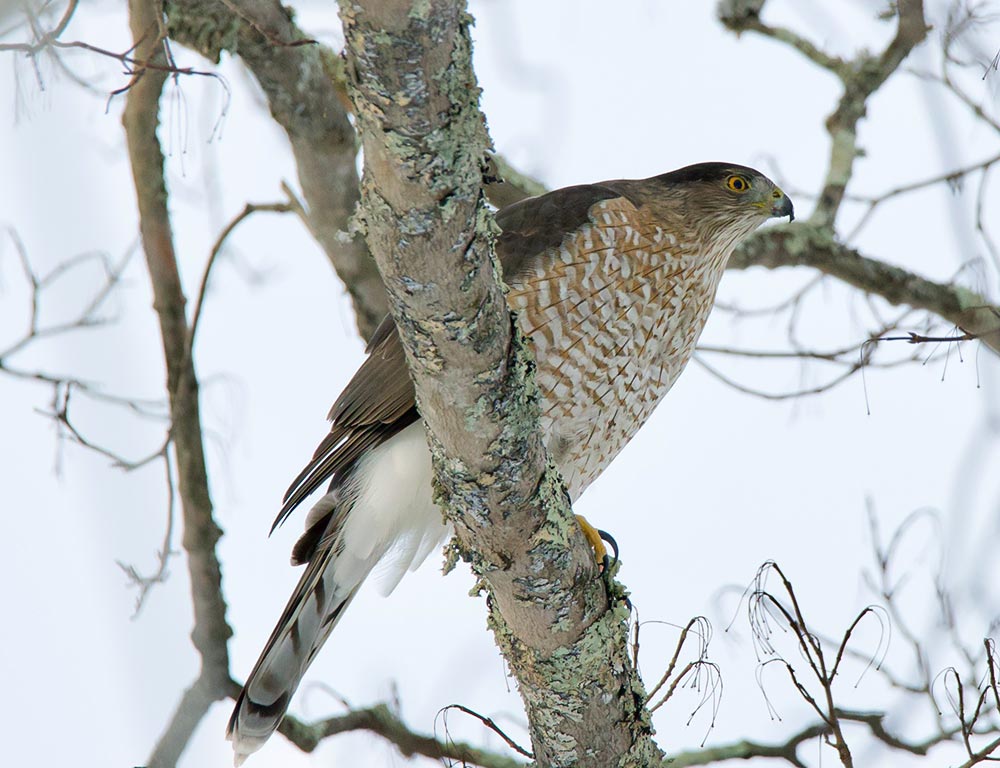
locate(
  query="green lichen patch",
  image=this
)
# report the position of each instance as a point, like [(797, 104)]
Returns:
[(205, 31)]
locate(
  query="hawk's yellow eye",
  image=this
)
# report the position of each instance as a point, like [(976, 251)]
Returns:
[(738, 183)]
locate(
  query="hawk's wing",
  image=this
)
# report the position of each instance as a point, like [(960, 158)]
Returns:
[(379, 401), (347, 531)]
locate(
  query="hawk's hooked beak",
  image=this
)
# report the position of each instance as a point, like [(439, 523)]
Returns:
[(781, 205)]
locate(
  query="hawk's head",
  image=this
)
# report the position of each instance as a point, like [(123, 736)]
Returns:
[(724, 198)]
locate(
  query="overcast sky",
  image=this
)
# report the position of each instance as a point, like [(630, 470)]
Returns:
[(716, 484)]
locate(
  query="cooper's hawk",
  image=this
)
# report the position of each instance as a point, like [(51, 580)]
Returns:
[(612, 282)]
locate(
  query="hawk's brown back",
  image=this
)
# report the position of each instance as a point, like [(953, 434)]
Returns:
[(379, 401), (612, 282)]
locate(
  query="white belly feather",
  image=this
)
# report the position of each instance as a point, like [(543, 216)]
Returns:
[(394, 518)]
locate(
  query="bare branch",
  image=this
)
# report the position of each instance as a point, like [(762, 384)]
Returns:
[(60, 414), (791, 395), (134, 67), (746, 750), (881, 582), (381, 720), (702, 630), (788, 750), (87, 317), (488, 722), (761, 606), (306, 89), (982, 755), (248, 210), (506, 185), (806, 245), (860, 77), (146, 583), (246, 15), (45, 38), (211, 631), (306, 92), (951, 178), (744, 16), (191, 710)]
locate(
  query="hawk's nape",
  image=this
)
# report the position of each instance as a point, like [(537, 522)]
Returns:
[(612, 283)]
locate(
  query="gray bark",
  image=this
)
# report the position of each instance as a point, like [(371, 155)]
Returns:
[(424, 141)]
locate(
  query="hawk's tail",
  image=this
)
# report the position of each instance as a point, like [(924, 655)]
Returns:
[(382, 509), (313, 611)]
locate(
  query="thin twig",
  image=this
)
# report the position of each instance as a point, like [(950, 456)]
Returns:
[(805, 392), (258, 27), (703, 634), (46, 38), (248, 210), (488, 722), (61, 415), (144, 584)]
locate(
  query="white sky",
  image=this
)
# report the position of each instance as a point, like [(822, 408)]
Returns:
[(716, 484)]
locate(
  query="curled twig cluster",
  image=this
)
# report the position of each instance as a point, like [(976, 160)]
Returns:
[(697, 673)]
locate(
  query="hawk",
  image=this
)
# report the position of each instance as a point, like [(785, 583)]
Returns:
[(612, 283)]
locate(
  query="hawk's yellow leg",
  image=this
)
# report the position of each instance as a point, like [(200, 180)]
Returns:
[(596, 538)]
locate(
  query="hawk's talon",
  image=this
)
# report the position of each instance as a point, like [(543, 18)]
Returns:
[(605, 536), (605, 565)]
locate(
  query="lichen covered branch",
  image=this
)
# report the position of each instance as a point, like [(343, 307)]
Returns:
[(805, 245), (788, 749), (416, 102), (381, 720)]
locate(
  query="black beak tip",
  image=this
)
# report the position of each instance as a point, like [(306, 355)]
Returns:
[(785, 208)]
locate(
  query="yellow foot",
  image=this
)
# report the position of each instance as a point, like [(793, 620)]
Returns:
[(596, 538)]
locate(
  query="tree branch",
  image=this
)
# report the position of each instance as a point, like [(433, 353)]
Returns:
[(300, 82), (506, 185), (306, 88), (211, 631), (424, 142), (865, 76), (382, 721), (248, 210), (788, 750), (744, 16), (860, 77), (805, 245)]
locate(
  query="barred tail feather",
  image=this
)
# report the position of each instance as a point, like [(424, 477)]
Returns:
[(312, 612), (381, 510)]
